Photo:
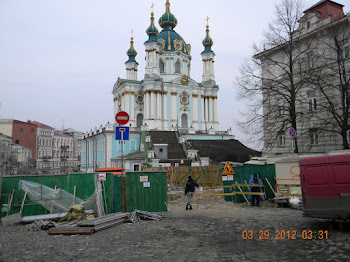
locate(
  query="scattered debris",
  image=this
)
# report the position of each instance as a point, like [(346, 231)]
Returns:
[(77, 213), (72, 231), (105, 221)]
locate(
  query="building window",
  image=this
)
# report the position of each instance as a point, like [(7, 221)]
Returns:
[(21, 130), (281, 107), (17, 142), (177, 67), (313, 136), (136, 167), (282, 138), (308, 24), (311, 98), (346, 49), (310, 60), (161, 66)]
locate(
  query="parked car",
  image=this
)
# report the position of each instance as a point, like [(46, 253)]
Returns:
[(325, 185)]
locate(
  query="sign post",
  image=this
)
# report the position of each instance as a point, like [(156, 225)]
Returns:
[(121, 132), (292, 133)]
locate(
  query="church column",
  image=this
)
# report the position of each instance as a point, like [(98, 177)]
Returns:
[(195, 111), (216, 109), (159, 112), (165, 111), (203, 111), (206, 109), (173, 107), (146, 105), (153, 105), (211, 109), (127, 100), (132, 108)]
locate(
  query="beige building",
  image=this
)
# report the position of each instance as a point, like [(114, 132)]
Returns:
[(321, 65)]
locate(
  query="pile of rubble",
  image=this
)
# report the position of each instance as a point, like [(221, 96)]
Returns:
[(91, 225)]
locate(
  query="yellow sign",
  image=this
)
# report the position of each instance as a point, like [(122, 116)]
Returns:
[(228, 170)]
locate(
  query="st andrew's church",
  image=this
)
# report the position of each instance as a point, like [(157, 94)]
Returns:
[(173, 119), (168, 97)]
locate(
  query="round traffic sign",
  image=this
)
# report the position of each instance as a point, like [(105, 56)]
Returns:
[(122, 118), (292, 132)]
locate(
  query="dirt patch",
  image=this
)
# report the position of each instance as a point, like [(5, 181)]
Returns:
[(210, 232)]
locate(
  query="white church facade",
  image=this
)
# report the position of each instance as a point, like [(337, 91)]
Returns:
[(167, 97)]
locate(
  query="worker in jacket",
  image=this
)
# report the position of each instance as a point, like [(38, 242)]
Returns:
[(190, 187)]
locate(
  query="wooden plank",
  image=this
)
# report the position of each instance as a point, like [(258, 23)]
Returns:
[(281, 194), (72, 231), (243, 194)]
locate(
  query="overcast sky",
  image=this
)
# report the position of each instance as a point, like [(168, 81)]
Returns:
[(59, 59)]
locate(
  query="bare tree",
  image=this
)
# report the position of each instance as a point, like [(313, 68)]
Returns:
[(273, 78), (333, 80)]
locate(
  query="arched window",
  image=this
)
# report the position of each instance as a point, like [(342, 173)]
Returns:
[(184, 121), (177, 67), (139, 120), (161, 66)]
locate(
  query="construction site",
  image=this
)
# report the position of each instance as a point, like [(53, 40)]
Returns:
[(108, 215)]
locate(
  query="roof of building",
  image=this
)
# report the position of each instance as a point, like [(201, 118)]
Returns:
[(223, 150), (138, 155), (321, 2), (59, 133), (39, 124), (325, 8)]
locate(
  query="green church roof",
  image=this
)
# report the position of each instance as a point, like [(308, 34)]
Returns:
[(167, 20), (152, 30), (131, 52), (207, 42)]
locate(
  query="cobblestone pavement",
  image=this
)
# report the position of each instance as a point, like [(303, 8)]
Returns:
[(213, 231)]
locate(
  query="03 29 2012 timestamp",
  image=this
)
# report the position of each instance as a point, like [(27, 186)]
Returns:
[(285, 234)]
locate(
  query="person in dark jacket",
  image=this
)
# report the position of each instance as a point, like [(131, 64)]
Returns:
[(255, 198), (190, 187)]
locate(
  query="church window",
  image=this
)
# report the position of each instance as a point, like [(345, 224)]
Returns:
[(139, 120), (184, 99), (161, 66), (177, 67), (140, 99), (184, 121)]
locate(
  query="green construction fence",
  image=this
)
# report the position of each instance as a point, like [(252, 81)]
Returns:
[(242, 175), (84, 184)]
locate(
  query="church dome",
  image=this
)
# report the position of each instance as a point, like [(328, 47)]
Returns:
[(131, 52), (167, 20), (168, 39), (207, 42), (152, 30)]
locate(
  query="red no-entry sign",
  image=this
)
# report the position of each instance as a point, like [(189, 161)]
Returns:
[(122, 118)]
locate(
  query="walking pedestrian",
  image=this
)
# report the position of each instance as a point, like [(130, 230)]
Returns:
[(190, 187)]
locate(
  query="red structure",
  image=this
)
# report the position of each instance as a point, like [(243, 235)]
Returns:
[(326, 8)]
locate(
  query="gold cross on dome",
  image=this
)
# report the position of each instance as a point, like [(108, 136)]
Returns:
[(152, 7), (132, 33), (207, 20)]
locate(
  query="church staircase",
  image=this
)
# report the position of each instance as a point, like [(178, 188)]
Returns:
[(175, 149)]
